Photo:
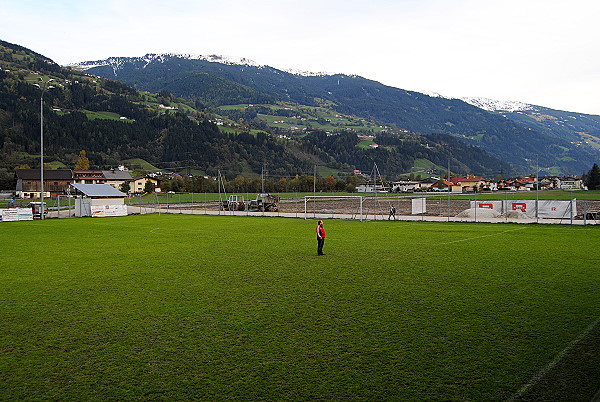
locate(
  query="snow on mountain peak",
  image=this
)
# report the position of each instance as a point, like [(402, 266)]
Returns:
[(117, 62), (305, 73), (492, 105), (215, 58), (434, 94)]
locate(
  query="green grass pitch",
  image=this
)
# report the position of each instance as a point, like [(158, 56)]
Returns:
[(185, 307)]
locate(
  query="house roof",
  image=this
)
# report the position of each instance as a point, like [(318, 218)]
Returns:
[(49, 174), (456, 180), (430, 180), (88, 173), (99, 190), (117, 175)]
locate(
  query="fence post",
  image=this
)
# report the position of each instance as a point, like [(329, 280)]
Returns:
[(361, 208), (475, 204), (448, 201), (571, 208)]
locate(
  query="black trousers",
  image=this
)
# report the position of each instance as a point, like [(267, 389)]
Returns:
[(320, 243)]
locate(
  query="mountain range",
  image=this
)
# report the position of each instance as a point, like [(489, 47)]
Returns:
[(523, 135), (117, 124), (211, 114)]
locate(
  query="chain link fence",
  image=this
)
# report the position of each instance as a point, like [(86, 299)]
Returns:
[(508, 207)]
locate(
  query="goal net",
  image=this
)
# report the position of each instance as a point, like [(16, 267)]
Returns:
[(325, 206)]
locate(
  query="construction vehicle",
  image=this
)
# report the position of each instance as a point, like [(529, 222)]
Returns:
[(233, 203), (264, 202)]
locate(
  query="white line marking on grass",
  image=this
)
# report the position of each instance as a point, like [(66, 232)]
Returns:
[(486, 235), (556, 360)]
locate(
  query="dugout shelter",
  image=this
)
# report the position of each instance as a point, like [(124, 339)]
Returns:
[(98, 200)]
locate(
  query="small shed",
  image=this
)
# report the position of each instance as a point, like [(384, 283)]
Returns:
[(99, 200)]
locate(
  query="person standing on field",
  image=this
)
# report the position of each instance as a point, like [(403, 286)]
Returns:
[(320, 237), (392, 213)]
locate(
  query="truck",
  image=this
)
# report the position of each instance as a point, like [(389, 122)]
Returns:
[(264, 202)]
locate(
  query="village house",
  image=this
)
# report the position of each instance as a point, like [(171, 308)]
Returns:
[(453, 187), (371, 188), (466, 184), (88, 177), (139, 184), (56, 182), (571, 183), (408, 186), (404, 186), (116, 178), (524, 184), (428, 183)]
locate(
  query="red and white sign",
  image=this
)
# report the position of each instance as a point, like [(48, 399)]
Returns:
[(519, 206), (549, 209), (100, 211)]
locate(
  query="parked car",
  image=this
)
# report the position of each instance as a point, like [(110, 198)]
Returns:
[(36, 208)]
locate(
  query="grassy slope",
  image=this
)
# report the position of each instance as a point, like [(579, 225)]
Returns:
[(335, 121), (140, 164), (196, 306)]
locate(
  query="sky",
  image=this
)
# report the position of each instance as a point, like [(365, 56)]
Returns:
[(543, 52)]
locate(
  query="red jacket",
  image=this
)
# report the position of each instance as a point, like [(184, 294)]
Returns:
[(320, 232)]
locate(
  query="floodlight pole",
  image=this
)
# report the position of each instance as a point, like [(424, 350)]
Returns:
[(42, 155), (44, 86), (449, 187), (537, 188), (219, 184), (475, 203), (315, 192)]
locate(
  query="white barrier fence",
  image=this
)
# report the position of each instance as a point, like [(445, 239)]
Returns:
[(16, 214), (544, 209)]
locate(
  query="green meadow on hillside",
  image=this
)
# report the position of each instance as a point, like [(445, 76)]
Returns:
[(187, 307)]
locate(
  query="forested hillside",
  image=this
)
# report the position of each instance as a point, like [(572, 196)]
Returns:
[(522, 145), (579, 129), (129, 128), (114, 122)]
